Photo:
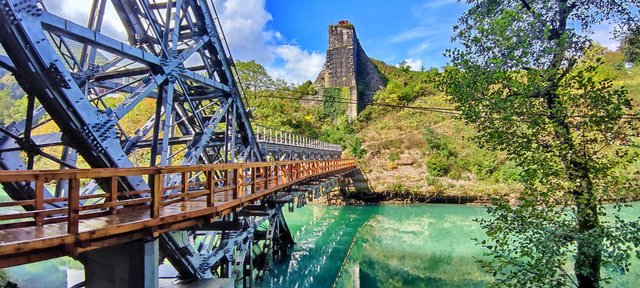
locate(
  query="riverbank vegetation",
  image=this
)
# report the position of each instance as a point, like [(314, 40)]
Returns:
[(537, 89)]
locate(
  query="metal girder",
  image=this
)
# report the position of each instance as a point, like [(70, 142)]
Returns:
[(198, 107), (6, 63)]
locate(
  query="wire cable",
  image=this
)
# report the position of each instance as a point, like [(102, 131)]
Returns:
[(427, 109)]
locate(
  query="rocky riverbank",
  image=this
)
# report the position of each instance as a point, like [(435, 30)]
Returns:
[(358, 189)]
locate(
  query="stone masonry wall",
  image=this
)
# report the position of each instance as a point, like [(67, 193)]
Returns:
[(347, 65)]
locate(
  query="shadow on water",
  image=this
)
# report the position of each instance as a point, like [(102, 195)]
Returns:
[(321, 247), (382, 246)]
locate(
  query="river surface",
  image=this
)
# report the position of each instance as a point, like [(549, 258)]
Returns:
[(361, 246)]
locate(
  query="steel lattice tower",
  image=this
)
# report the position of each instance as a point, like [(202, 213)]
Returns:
[(174, 55)]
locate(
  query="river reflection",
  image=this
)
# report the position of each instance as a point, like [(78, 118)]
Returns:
[(360, 246)]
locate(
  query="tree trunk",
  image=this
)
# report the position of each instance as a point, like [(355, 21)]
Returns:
[(589, 256)]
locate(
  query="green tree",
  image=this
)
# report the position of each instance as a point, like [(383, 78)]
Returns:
[(404, 66), (333, 102), (306, 89), (631, 46), (254, 77), (524, 80)]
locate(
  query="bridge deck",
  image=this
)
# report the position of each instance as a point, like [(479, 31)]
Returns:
[(52, 232)]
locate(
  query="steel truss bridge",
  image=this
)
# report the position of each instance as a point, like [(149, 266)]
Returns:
[(196, 175)]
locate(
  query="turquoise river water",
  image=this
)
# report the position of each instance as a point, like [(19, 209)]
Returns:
[(361, 246)]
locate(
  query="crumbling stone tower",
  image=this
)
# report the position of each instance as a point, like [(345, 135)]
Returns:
[(347, 65)]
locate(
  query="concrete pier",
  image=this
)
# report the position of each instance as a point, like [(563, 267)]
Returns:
[(131, 265)]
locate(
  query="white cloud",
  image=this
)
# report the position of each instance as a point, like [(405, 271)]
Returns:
[(421, 48), (603, 34), (415, 65), (438, 3), (245, 23), (300, 65), (246, 26), (414, 33), (78, 12)]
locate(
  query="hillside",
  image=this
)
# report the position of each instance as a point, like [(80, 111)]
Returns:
[(402, 153), (412, 153)]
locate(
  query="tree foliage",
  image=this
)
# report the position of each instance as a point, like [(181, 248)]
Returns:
[(404, 86), (525, 79), (254, 77), (333, 102), (631, 46), (11, 109)]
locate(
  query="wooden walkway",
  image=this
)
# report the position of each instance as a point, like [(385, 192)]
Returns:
[(74, 224)]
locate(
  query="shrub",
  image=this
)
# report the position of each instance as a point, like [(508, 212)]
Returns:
[(431, 181), (437, 142), (332, 105), (483, 164), (393, 156), (398, 187), (508, 172), (439, 164), (355, 148)]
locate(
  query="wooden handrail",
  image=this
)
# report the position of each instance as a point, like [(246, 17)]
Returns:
[(241, 181)]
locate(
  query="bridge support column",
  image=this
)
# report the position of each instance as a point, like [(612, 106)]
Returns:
[(132, 265)]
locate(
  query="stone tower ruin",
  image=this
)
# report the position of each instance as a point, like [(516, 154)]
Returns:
[(347, 65)]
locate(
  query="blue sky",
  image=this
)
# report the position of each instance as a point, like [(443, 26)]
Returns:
[(391, 31), (290, 37)]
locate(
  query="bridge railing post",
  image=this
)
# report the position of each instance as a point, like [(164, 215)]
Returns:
[(113, 195), (185, 185), (253, 179), (210, 187), (226, 183), (39, 203), (266, 171), (73, 217), (156, 194), (283, 174), (238, 183)]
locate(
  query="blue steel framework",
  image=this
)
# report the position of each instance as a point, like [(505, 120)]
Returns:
[(176, 54)]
